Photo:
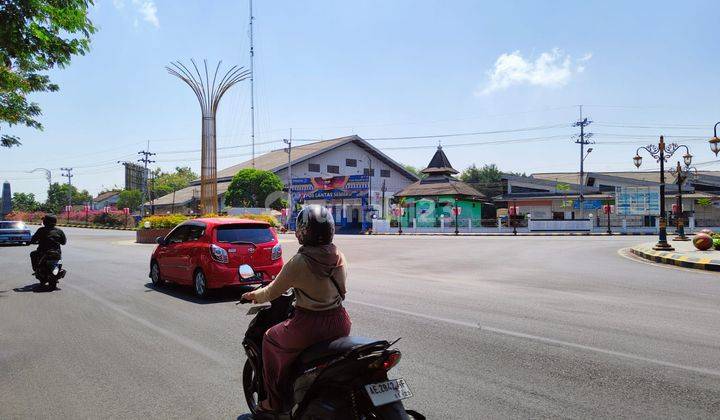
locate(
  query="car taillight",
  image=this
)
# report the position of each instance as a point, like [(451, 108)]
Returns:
[(218, 254), (276, 252)]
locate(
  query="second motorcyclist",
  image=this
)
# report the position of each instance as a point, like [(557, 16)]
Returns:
[(49, 239)]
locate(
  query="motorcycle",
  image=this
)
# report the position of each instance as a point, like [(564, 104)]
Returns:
[(338, 379), (49, 269)]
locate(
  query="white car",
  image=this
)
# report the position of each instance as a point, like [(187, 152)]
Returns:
[(12, 232)]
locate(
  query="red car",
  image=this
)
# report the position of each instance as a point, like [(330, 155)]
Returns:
[(206, 253)]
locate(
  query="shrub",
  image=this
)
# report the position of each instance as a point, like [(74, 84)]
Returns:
[(163, 221), (25, 216), (268, 218), (109, 219)]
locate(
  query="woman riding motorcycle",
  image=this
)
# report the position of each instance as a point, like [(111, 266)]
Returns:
[(317, 273)]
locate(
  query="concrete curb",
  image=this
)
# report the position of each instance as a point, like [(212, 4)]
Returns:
[(676, 259), (518, 234)]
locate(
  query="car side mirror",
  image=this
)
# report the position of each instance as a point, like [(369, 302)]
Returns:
[(246, 271), (160, 240)]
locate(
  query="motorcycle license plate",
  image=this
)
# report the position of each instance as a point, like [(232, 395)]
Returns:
[(388, 392)]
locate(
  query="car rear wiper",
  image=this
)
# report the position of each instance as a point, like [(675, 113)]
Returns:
[(241, 242)]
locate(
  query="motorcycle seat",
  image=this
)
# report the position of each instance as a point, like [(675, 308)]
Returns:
[(337, 346)]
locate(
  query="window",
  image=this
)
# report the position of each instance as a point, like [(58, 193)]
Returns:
[(333, 169), (313, 167), (385, 173), (369, 172), (254, 234), (352, 163), (12, 225), (196, 232), (179, 234)]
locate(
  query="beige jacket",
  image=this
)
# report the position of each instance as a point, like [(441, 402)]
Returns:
[(309, 272)]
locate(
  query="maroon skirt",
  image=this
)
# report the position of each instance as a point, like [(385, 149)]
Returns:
[(284, 342)]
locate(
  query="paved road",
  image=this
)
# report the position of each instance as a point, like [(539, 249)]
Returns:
[(492, 327)]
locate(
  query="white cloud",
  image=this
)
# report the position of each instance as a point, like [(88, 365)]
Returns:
[(148, 10), (551, 69), (145, 8)]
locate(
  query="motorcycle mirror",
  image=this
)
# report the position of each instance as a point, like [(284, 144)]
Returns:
[(246, 271)]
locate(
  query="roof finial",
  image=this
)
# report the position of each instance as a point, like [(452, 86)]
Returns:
[(439, 144)]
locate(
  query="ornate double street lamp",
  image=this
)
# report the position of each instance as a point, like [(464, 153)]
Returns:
[(662, 152), (681, 175)]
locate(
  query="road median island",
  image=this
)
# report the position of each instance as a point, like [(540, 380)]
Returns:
[(685, 255)]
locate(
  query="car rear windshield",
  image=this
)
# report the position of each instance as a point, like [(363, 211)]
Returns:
[(256, 234), (12, 225)]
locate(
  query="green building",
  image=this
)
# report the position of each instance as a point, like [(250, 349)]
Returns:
[(435, 197)]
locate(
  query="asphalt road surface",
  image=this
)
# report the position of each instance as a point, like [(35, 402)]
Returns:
[(491, 327)]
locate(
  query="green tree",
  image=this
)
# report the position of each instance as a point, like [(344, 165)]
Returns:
[(415, 171), (24, 202), (252, 188), (131, 199), (487, 180), (36, 36), (166, 182), (57, 197)]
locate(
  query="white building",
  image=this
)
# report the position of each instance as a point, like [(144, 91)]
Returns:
[(330, 160)]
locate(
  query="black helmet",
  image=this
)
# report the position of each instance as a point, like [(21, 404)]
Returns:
[(315, 226), (49, 220)]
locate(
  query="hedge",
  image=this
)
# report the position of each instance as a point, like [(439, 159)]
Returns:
[(172, 220)]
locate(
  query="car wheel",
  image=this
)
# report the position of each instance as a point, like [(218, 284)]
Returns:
[(155, 275), (200, 284)]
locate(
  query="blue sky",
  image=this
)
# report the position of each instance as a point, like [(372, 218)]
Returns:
[(384, 69)]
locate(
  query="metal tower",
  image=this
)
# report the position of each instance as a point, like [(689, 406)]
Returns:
[(209, 92)]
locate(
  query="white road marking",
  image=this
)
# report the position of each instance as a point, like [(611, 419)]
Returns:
[(516, 334), (185, 341)]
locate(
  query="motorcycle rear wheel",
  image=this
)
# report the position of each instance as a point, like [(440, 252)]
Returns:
[(251, 386), (394, 411)]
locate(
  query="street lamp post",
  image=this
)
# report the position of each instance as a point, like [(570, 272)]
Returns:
[(513, 220), (662, 152), (715, 141), (456, 217), (608, 209), (681, 176)]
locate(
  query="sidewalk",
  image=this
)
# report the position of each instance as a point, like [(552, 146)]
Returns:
[(525, 233), (685, 255)]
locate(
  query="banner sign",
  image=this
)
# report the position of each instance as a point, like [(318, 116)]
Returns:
[(353, 186), (587, 204), (637, 201)]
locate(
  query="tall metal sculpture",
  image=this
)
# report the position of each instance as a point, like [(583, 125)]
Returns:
[(209, 94)]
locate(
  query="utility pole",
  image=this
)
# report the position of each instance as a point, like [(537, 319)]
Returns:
[(145, 160), (289, 183), (252, 87), (67, 172), (583, 140)]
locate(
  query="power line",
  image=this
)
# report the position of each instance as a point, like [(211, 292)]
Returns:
[(446, 135)]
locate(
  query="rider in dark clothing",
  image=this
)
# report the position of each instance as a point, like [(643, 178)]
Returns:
[(48, 238)]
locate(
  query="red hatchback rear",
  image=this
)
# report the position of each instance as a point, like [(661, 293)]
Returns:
[(206, 253)]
